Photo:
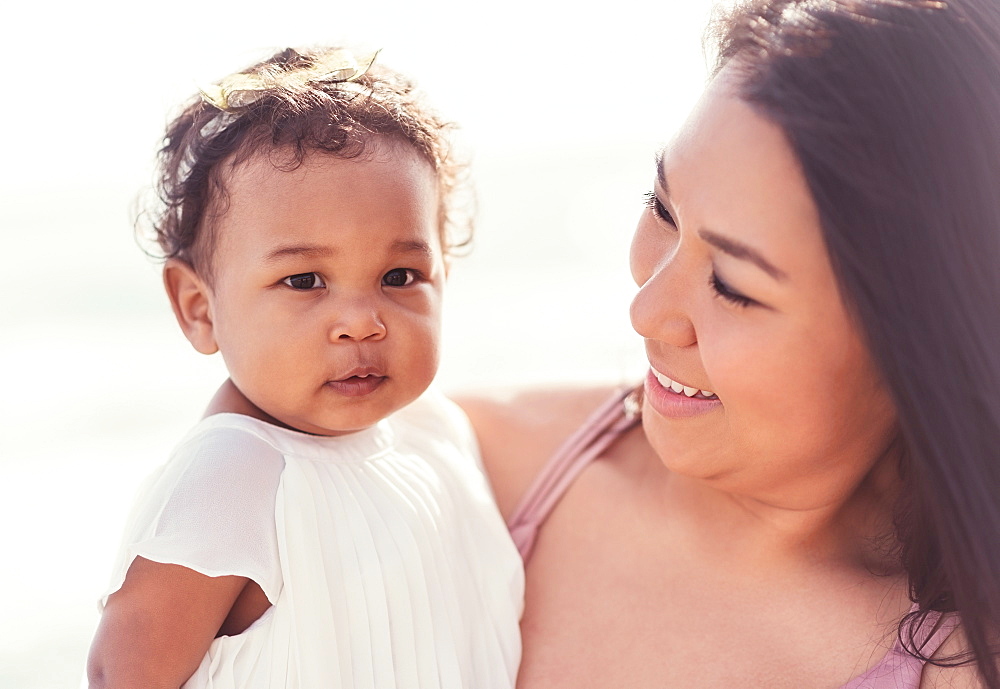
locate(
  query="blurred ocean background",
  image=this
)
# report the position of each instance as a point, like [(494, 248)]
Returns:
[(562, 109)]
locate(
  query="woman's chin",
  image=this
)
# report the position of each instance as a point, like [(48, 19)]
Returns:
[(684, 451)]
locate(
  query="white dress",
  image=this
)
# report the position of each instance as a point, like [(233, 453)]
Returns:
[(382, 552)]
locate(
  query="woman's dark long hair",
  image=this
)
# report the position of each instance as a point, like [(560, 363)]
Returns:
[(893, 110)]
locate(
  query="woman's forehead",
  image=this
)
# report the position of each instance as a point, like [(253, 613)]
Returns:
[(726, 151), (732, 171)]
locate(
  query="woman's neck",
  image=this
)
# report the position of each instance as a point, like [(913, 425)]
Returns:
[(825, 522)]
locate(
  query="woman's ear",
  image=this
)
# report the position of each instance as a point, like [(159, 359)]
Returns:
[(190, 300)]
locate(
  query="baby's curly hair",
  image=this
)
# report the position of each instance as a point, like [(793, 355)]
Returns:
[(342, 119)]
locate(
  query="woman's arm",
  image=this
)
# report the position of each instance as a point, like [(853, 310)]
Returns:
[(157, 627), (519, 430)]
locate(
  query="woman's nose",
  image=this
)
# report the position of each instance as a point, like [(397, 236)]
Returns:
[(357, 320), (661, 310)]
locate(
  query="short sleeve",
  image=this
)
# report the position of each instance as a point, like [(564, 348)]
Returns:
[(210, 509)]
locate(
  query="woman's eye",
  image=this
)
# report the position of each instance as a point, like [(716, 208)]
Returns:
[(728, 294), (304, 281), (398, 277), (653, 203)]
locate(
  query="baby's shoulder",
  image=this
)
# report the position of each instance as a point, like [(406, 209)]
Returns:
[(221, 477), (228, 447), (211, 507), (519, 429)]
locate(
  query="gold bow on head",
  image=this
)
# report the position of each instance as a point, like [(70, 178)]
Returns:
[(241, 90)]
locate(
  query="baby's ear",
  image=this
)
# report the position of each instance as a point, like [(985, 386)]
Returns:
[(190, 300)]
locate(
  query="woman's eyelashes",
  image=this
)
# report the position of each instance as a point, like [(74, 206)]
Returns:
[(724, 291), (653, 203)]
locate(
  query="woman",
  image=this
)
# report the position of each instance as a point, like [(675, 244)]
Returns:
[(813, 491)]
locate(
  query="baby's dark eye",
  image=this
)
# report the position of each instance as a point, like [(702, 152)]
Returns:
[(398, 277), (653, 203), (304, 281)]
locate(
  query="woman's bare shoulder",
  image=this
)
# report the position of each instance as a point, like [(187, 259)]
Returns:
[(519, 429), (963, 676)]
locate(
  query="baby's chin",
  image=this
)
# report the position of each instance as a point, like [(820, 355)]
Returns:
[(345, 417)]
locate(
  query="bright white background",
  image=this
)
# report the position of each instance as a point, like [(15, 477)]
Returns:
[(562, 107)]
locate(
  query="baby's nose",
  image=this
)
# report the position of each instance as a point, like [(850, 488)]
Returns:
[(357, 321)]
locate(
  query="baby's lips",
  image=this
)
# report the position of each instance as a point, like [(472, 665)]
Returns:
[(360, 371)]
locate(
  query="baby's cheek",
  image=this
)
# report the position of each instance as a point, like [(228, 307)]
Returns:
[(427, 353)]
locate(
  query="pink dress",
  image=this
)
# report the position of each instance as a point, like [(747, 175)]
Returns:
[(896, 670)]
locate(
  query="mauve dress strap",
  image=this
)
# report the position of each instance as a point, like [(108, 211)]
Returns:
[(613, 418), (900, 670), (897, 669)]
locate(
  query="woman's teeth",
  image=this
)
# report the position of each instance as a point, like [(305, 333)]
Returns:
[(681, 388)]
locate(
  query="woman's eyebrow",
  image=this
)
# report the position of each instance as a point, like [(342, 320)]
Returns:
[(661, 176), (734, 248), (743, 252)]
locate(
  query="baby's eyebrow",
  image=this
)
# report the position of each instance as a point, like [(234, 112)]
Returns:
[(308, 250), (400, 246), (408, 246)]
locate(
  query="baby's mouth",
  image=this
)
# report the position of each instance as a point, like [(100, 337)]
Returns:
[(358, 382), (360, 371)]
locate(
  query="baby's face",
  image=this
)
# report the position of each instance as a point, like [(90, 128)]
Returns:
[(326, 302)]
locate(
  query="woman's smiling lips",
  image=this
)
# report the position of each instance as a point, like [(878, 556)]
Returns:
[(358, 382), (673, 399)]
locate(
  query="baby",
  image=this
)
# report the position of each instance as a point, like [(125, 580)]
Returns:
[(332, 526)]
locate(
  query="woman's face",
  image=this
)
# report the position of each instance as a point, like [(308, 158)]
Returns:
[(738, 304)]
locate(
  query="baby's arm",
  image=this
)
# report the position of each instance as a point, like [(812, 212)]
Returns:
[(208, 510), (157, 627)]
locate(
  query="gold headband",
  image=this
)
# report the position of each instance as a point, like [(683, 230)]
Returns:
[(242, 90)]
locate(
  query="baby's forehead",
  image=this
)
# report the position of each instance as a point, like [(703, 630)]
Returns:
[(388, 194)]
